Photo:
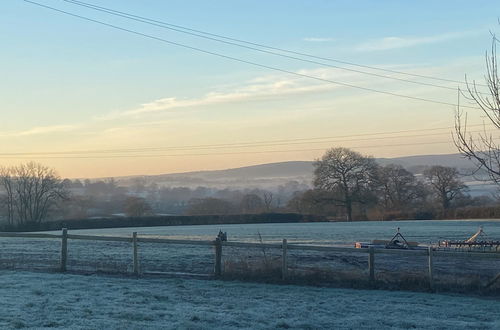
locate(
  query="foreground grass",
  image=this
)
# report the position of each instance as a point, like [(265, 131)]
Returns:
[(41, 300)]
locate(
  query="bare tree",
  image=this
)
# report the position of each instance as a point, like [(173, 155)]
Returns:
[(8, 201), (346, 173), (399, 188), (267, 198), (482, 147), (251, 203), (445, 183), (32, 190)]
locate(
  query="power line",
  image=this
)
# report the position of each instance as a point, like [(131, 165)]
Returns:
[(265, 143), (246, 61), (176, 27), (224, 153), (330, 139), (206, 36), (196, 148)]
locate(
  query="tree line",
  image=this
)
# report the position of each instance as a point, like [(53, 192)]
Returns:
[(110, 197), (347, 185), (353, 186), (32, 193)]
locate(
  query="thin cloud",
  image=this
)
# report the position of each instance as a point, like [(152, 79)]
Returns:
[(257, 89), (40, 130), (262, 88), (317, 39), (148, 128), (389, 43)]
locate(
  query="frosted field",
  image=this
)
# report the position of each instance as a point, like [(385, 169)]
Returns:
[(116, 257), (71, 301), (323, 233), (42, 300)]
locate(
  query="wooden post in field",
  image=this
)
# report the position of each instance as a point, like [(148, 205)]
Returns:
[(371, 263), (431, 266), (64, 249), (218, 258), (284, 261), (136, 256)]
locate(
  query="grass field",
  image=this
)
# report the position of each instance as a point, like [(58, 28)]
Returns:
[(48, 300)]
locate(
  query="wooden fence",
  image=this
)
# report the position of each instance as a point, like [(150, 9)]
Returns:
[(218, 245)]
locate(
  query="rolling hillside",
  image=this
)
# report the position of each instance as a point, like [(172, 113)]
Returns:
[(274, 174)]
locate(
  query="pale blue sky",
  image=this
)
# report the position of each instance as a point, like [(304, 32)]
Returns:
[(67, 84)]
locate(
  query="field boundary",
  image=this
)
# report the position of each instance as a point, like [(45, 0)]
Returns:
[(163, 220), (218, 245)]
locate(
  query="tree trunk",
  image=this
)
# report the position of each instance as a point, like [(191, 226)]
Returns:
[(348, 209), (446, 202)]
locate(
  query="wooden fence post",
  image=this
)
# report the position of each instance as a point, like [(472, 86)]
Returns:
[(218, 258), (64, 249), (431, 266), (136, 256), (371, 264), (284, 261)]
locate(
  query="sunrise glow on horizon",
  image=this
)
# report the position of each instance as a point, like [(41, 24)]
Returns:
[(133, 98)]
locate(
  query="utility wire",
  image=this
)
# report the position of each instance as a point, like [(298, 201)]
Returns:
[(161, 149), (225, 153), (243, 144), (205, 36), (176, 27), (246, 61)]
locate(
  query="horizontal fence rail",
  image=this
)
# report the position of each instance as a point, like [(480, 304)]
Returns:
[(318, 248), (431, 252), (29, 235), (101, 238)]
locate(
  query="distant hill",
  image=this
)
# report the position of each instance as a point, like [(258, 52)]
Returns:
[(258, 176), (275, 170), (274, 174), (415, 162)]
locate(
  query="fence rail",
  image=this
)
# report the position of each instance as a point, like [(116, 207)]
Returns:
[(29, 235), (134, 239)]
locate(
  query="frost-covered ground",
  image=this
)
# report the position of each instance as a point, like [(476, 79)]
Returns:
[(319, 233), (39, 300), (116, 258)]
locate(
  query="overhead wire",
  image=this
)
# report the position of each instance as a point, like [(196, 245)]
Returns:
[(135, 151), (222, 153), (207, 36), (244, 144), (197, 31), (325, 139), (302, 75), (205, 147)]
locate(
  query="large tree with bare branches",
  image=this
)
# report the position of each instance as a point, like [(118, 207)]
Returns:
[(482, 147), (348, 175), (399, 189), (445, 184), (30, 191)]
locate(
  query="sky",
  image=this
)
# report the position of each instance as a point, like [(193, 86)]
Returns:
[(95, 101)]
